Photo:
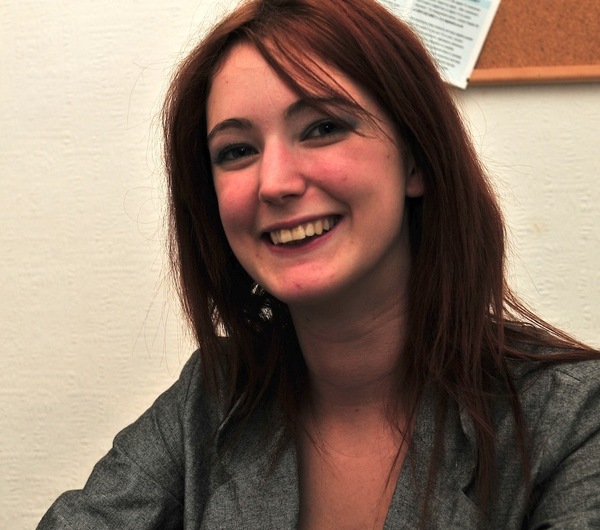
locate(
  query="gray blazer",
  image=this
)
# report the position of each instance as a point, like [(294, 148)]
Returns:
[(170, 469)]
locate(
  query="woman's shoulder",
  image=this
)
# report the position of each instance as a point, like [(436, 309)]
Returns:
[(560, 402), (561, 412), (196, 398), (554, 377), (155, 464), (551, 372)]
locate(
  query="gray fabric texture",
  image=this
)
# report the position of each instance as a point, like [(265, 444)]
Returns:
[(172, 470)]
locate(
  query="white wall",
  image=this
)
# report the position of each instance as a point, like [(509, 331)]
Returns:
[(90, 333), (542, 144)]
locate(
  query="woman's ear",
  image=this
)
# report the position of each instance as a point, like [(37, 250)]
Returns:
[(415, 187)]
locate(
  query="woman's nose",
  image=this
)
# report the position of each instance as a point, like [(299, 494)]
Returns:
[(280, 175)]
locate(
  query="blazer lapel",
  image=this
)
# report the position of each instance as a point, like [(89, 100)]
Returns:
[(253, 494), (449, 507)]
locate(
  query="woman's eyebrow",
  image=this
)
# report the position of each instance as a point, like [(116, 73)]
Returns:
[(298, 107), (315, 103), (230, 123)]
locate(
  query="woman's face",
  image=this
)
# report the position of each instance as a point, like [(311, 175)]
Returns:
[(312, 202)]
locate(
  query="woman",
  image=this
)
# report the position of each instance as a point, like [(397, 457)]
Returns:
[(330, 217)]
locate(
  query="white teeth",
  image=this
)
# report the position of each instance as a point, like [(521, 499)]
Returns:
[(319, 227), (300, 232), (285, 236)]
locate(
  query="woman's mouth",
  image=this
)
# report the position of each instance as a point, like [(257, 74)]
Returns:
[(304, 231)]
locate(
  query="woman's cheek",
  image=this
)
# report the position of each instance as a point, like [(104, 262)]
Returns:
[(236, 206)]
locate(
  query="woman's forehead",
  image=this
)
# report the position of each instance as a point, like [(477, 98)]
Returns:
[(245, 70)]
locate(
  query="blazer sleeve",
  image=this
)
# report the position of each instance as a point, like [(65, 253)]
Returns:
[(567, 492), (139, 484)]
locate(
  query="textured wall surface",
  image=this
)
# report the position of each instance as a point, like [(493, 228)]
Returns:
[(90, 332)]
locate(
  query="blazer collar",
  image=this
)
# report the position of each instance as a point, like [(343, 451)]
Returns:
[(449, 507), (254, 494)]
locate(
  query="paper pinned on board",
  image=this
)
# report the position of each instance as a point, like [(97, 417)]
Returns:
[(453, 31)]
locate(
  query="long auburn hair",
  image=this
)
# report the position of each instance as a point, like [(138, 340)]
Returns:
[(464, 323)]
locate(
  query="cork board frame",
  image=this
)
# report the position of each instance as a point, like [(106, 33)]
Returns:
[(541, 41)]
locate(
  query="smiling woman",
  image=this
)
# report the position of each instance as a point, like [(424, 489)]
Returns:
[(283, 165), (329, 214)]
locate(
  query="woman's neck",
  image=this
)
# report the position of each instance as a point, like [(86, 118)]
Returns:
[(351, 355)]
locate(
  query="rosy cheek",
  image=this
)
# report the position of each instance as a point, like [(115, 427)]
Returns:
[(235, 207), (329, 166)]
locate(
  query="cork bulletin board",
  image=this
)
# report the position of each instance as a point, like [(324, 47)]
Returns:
[(541, 41)]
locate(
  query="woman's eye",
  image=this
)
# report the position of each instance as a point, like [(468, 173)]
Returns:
[(234, 152), (324, 129)]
